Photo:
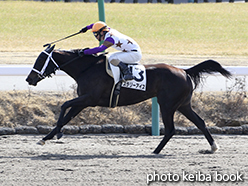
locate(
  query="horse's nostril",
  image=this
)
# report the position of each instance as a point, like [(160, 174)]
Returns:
[(28, 79)]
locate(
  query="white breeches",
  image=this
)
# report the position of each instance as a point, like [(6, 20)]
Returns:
[(125, 57)]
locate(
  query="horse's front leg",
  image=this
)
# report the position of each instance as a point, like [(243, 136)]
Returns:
[(75, 110), (76, 105), (61, 119), (57, 129)]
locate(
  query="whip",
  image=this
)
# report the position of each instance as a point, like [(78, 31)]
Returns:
[(61, 39)]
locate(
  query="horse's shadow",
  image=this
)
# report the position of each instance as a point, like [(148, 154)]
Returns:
[(94, 156), (57, 156)]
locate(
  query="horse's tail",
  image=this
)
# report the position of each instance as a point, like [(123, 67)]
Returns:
[(209, 66)]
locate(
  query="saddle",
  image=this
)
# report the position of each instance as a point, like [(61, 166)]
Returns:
[(139, 82)]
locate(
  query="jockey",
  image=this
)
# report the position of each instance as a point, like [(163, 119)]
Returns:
[(130, 52)]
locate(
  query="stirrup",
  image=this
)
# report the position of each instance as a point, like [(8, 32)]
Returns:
[(128, 77), (127, 74)]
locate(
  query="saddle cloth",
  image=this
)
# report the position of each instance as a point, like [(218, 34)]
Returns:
[(139, 82), (138, 70)]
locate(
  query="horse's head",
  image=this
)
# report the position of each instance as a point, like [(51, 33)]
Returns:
[(44, 66)]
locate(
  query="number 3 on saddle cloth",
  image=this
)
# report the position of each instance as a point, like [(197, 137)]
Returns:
[(139, 82)]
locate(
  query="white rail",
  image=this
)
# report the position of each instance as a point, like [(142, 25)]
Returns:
[(23, 70), (20, 70), (12, 77)]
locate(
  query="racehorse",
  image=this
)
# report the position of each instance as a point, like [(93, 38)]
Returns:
[(172, 86)]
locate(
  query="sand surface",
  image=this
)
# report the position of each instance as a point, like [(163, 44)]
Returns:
[(122, 159)]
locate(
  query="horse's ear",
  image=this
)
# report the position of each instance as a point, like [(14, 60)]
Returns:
[(49, 49)]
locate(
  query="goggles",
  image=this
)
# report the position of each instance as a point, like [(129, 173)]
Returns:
[(96, 34)]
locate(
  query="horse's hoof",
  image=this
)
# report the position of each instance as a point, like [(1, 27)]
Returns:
[(156, 152), (214, 147), (41, 142), (59, 135)]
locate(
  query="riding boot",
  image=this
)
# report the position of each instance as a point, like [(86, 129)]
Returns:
[(126, 71)]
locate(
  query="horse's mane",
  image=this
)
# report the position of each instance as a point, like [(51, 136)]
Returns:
[(75, 53), (71, 51)]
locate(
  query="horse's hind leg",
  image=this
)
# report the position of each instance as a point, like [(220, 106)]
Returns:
[(167, 117), (187, 111)]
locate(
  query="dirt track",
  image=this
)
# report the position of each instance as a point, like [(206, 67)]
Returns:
[(118, 160)]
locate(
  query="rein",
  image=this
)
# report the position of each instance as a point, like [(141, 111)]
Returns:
[(74, 60), (68, 62), (49, 57)]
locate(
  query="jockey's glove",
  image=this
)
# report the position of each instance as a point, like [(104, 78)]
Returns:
[(81, 52), (83, 30)]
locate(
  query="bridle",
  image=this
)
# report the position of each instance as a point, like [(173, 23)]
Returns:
[(41, 73)]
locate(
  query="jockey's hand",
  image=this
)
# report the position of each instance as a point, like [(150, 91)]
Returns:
[(81, 52), (83, 30), (103, 54)]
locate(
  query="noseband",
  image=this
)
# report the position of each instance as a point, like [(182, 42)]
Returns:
[(42, 71)]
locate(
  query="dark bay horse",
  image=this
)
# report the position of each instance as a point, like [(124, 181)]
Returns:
[(172, 86)]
